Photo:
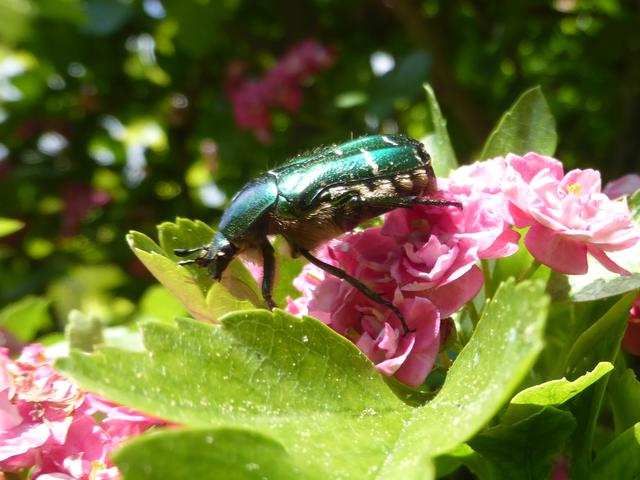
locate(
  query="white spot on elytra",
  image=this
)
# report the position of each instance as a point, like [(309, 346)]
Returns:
[(369, 159), (389, 141), (338, 152)]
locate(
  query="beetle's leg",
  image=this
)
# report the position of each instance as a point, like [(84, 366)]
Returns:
[(405, 202), (337, 272), (268, 273)]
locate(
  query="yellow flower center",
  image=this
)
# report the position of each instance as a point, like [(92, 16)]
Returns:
[(574, 189)]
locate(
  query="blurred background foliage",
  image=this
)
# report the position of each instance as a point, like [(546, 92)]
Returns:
[(120, 114)]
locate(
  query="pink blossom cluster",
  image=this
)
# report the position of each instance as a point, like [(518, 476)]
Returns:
[(280, 87), (424, 259), (51, 426)]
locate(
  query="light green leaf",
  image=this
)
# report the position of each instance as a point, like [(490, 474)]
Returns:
[(524, 449), (88, 288), (192, 453), (287, 269), (82, 332), (175, 278), (26, 317), (158, 303), (185, 233), (552, 393), (9, 226), (313, 391), (620, 459), (528, 126), (437, 140), (237, 279), (220, 301)]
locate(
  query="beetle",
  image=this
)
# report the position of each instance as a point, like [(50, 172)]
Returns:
[(316, 197)]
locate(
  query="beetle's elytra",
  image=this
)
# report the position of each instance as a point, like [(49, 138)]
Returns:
[(318, 196)]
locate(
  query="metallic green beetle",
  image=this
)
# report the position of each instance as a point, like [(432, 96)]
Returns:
[(316, 197)]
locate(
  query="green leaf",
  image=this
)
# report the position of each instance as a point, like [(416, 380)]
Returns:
[(621, 458), (83, 333), (292, 379), (185, 233), (313, 391), (220, 301), (624, 396), (105, 17), (88, 289), (601, 341), (400, 85), (502, 350), (158, 303), (191, 453), (525, 449), (552, 393), (287, 269), (9, 226), (599, 282), (437, 141), (176, 279), (26, 317), (528, 126), (237, 279)]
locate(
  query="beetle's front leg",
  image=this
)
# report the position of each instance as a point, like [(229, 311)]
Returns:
[(268, 273), (337, 272)]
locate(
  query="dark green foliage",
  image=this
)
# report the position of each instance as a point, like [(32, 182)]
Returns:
[(159, 68)]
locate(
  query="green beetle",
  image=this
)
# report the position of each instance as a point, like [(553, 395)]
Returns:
[(316, 197)]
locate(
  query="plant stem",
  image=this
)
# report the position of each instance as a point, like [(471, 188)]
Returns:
[(529, 272), (488, 284), (473, 312)]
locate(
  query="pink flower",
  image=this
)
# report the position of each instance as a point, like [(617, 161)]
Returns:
[(374, 328), (625, 185), (426, 276), (47, 423), (424, 260), (485, 219), (279, 87), (430, 260), (567, 214)]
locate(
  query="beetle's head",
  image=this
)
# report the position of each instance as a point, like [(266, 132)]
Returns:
[(215, 256), (219, 254)]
